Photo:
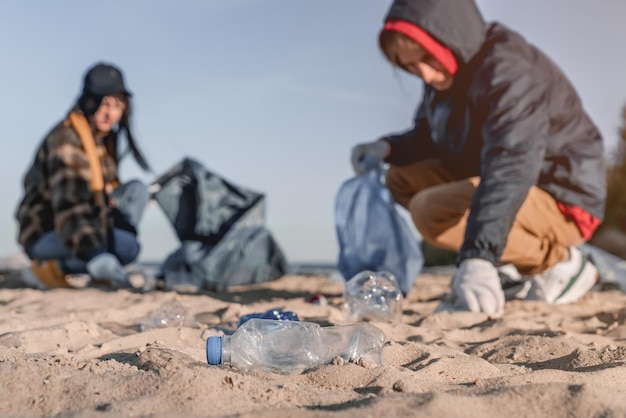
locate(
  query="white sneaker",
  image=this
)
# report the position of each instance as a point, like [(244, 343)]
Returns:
[(514, 285), (566, 282)]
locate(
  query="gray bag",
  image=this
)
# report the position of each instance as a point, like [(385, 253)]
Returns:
[(221, 226)]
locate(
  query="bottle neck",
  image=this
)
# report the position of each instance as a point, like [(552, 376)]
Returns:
[(226, 349)]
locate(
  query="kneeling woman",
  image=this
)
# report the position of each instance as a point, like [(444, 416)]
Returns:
[(75, 217)]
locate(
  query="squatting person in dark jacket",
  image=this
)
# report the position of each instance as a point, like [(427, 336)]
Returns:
[(75, 217), (503, 165)]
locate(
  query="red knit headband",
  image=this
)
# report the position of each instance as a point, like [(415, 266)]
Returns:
[(437, 50)]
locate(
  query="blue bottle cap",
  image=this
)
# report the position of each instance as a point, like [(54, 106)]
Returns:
[(214, 350)]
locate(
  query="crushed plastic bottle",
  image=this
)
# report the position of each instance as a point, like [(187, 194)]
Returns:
[(171, 314), (275, 313), (373, 296), (291, 347)]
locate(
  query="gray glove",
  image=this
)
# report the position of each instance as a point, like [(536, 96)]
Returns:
[(106, 266), (475, 287), (369, 155)]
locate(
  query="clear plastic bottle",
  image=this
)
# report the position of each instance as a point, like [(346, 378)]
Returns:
[(373, 296), (275, 313), (171, 314), (291, 347)]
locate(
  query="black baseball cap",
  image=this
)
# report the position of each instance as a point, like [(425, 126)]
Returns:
[(104, 79)]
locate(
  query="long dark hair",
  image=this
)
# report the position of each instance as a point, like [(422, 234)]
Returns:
[(89, 104)]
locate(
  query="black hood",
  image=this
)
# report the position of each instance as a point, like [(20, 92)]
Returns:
[(457, 24)]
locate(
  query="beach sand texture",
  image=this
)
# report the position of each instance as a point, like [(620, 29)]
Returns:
[(94, 353)]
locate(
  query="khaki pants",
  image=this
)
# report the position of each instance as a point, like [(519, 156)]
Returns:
[(439, 205)]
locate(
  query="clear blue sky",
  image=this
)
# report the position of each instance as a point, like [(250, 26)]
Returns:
[(271, 94)]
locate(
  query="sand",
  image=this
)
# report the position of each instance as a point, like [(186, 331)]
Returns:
[(96, 352)]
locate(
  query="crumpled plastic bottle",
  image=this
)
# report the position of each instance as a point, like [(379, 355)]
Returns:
[(373, 296), (275, 313), (291, 347), (171, 314)]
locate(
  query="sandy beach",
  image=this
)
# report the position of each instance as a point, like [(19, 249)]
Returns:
[(96, 352)]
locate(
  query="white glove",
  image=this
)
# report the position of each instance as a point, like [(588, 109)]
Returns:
[(369, 155), (106, 266), (476, 287)]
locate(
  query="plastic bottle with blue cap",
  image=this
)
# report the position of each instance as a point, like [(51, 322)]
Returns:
[(291, 347)]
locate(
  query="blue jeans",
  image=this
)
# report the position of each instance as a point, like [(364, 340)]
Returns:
[(132, 198)]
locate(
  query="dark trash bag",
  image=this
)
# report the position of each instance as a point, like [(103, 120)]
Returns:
[(372, 234), (221, 226)]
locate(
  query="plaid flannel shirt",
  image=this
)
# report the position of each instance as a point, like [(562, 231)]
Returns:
[(57, 194)]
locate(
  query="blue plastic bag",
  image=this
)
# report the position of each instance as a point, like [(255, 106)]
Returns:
[(372, 234)]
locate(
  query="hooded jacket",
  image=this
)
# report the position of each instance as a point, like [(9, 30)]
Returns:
[(511, 117), (58, 196)]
